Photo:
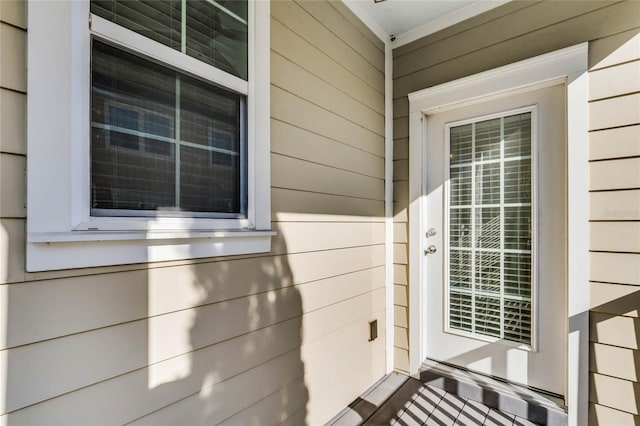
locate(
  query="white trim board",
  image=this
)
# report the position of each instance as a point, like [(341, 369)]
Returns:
[(566, 65), (388, 204)]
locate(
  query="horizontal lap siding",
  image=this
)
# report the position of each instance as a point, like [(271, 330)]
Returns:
[(236, 339), (328, 154), (13, 88), (614, 92), (520, 30)]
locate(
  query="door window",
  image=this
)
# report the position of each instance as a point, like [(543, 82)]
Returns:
[(490, 223)]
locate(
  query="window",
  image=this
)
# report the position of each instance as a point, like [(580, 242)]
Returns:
[(150, 143), (490, 222), (148, 131)]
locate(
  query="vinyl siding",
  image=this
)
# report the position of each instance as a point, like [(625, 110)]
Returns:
[(231, 340), (520, 30), (614, 169)]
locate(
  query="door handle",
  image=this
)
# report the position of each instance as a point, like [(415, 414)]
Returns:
[(430, 250)]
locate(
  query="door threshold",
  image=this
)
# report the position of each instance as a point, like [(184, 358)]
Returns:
[(532, 404)]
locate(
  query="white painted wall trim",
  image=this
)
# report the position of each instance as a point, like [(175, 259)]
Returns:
[(388, 203), (417, 157), (578, 244), (541, 70), (569, 65)]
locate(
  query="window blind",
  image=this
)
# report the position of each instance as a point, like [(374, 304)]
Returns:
[(162, 140), (212, 31), (490, 228)]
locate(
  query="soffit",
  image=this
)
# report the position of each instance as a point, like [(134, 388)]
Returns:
[(402, 21)]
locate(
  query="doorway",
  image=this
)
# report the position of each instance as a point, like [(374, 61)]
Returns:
[(565, 68), (495, 260)]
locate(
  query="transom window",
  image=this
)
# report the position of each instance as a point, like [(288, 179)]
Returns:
[(489, 203)]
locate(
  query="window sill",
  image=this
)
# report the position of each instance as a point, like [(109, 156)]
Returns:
[(82, 249)]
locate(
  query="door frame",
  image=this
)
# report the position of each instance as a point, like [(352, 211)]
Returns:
[(567, 66)]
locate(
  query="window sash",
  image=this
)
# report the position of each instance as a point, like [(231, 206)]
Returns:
[(140, 44), (105, 152), (206, 30), (179, 60)]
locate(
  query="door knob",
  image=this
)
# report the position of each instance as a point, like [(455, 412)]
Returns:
[(430, 250), (431, 232)]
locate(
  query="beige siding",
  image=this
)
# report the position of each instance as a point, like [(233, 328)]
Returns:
[(12, 69), (615, 231), (12, 170), (290, 45), (619, 299), (239, 339), (599, 414), (615, 81), (614, 112), (618, 362), (309, 27), (298, 81), (615, 143), (519, 30), (301, 175), (285, 202), (300, 112), (13, 113), (13, 12)]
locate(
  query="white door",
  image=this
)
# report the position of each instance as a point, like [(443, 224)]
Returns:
[(496, 255)]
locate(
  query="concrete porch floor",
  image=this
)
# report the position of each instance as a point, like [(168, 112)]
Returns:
[(445, 396)]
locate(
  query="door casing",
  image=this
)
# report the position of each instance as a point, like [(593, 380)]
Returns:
[(566, 66)]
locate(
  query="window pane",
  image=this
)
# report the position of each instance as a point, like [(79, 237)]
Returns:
[(211, 31), (210, 120), (460, 141), (218, 36), (487, 316), (488, 183), (460, 178), (460, 269), (460, 227), (487, 227), (487, 271), (200, 174), (517, 274), (517, 135), (162, 140), (157, 19), (131, 168), (517, 181), (517, 228), (487, 140), (459, 309)]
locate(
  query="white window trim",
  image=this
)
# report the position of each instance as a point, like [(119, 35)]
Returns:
[(61, 234), (568, 66)]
